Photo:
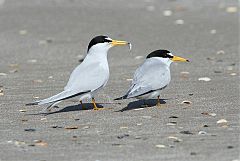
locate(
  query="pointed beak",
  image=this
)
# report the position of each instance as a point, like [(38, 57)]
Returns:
[(177, 58), (117, 42)]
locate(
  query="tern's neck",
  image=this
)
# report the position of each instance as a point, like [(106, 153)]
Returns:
[(166, 61), (98, 52), (97, 56)]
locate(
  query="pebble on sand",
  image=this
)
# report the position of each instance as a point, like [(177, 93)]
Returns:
[(32, 61), (173, 117), (3, 74), (222, 121), (176, 139), (30, 130), (122, 136), (186, 102), (160, 146), (43, 119), (184, 73), (220, 52), (171, 124), (186, 132), (40, 143), (179, 22), (231, 9), (71, 127), (205, 79), (37, 81), (213, 31), (167, 12), (209, 113), (42, 42), (233, 74), (138, 57), (22, 32), (23, 110), (1, 92), (13, 71), (202, 133), (123, 127), (19, 143)]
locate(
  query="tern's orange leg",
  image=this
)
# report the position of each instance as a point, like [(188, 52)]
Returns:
[(95, 106)]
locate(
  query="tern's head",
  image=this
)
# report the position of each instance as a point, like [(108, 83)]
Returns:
[(104, 43), (165, 56)]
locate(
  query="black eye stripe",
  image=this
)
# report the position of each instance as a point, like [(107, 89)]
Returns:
[(160, 53)]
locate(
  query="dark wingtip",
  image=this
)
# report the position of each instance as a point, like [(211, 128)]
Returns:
[(31, 104), (121, 98)]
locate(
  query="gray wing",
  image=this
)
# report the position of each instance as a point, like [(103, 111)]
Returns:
[(150, 76), (88, 76), (85, 78)]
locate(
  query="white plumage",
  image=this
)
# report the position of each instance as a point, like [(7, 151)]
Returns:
[(88, 77), (152, 76)]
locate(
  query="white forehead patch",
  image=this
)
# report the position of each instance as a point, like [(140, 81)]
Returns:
[(108, 38)]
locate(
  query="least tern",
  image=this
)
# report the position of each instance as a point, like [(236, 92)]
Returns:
[(152, 76), (88, 77)]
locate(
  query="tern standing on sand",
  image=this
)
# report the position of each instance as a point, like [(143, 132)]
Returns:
[(88, 77), (152, 76)]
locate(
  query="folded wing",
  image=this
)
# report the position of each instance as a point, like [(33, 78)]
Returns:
[(150, 76)]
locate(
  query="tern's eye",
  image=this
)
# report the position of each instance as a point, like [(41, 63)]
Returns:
[(169, 56)]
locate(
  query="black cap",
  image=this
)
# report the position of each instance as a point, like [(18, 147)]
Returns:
[(160, 53), (98, 39)]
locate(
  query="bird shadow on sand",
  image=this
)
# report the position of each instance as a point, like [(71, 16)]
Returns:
[(141, 104), (85, 106)]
